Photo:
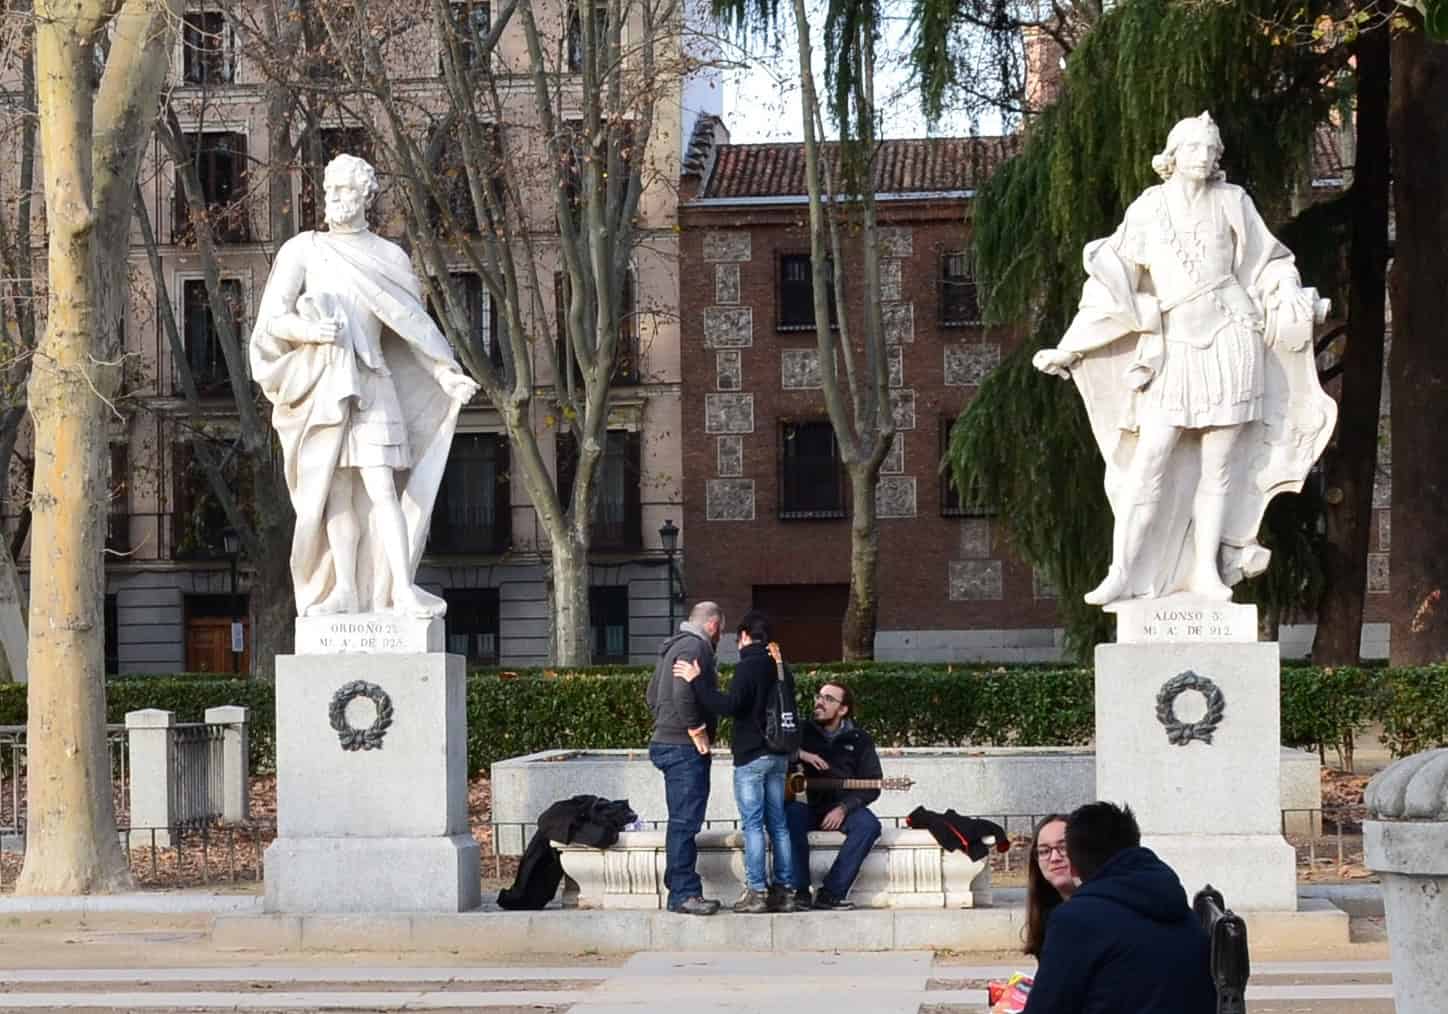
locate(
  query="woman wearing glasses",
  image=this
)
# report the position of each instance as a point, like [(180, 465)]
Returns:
[(1049, 880)]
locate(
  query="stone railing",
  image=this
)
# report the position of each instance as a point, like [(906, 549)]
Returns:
[(185, 773), (906, 869)]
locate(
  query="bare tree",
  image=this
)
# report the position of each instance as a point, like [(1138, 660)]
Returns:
[(545, 193), (91, 139)]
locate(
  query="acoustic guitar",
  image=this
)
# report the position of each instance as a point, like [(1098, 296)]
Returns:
[(799, 781)]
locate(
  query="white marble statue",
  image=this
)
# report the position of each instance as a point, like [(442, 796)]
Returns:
[(1193, 352), (366, 394)]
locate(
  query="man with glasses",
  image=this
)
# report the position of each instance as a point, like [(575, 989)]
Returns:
[(834, 747)]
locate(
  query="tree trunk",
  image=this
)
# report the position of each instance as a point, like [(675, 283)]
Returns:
[(1419, 361), (71, 845), (861, 615), (273, 600), (1351, 465), (569, 589)]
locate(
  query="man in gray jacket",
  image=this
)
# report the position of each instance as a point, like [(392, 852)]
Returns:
[(679, 748)]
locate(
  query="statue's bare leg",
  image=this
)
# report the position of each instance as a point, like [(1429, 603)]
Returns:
[(343, 533), (392, 530), (1154, 445), (1209, 511)]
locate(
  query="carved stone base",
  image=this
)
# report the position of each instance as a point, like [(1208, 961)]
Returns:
[(907, 868), (369, 634), (1189, 736), (371, 768)]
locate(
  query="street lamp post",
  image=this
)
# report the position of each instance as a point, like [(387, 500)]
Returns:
[(231, 541), (669, 538)]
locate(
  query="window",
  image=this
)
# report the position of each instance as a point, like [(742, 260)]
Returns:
[(575, 37), (473, 513), (486, 327), (952, 504), (811, 478), (113, 635), (471, 23), (796, 293), (203, 343), (626, 362), (608, 624), (326, 144), (959, 298), (452, 209), (617, 507), (220, 161), (118, 517), (208, 52), (473, 624), (198, 520)]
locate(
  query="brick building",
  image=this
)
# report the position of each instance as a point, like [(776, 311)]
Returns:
[(766, 504)]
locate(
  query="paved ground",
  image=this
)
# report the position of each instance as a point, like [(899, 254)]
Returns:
[(89, 970)]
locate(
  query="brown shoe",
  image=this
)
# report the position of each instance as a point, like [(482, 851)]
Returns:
[(782, 899)]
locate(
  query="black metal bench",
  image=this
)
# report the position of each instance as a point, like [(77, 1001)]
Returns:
[(1231, 966)]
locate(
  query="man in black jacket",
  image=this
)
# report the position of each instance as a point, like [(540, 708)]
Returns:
[(679, 748), (835, 747), (1126, 941), (758, 772)]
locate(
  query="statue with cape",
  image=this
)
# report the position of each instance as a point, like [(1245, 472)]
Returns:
[(366, 393), (1193, 352)]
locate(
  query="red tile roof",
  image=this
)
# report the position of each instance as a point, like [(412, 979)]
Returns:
[(924, 165)]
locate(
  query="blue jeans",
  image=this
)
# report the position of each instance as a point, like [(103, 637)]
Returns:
[(686, 793), (861, 828), (759, 791)]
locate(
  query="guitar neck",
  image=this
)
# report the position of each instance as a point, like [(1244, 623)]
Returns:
[(845, 783)]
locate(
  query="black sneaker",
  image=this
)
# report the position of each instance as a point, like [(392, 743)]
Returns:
[(803, 900), (752, 903), (825, 900), (782, 899), (696, 906)]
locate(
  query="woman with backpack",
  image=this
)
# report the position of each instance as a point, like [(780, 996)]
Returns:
[(760, 699)]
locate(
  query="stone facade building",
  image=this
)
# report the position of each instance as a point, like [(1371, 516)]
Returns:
[(170, 601), (766, 502)]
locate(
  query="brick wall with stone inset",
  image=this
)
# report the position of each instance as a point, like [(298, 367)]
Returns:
[(968, 365), (729, 370), (743, 378), (799, 369)]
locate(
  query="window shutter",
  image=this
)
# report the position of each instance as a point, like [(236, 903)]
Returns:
[(502, 492), (567, 460), (633, 476)]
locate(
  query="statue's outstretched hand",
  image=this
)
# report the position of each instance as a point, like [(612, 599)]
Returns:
[(458, 386), (1056, 362)]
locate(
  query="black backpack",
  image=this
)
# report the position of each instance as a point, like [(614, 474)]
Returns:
[(782, 732)]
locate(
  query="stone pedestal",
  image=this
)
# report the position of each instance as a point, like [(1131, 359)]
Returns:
[(372, 779), (1406, 843), (1188, 734)]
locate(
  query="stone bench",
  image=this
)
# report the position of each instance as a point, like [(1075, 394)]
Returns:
[(906, 868)]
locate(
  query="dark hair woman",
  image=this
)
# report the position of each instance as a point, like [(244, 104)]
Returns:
[(1049, 880)]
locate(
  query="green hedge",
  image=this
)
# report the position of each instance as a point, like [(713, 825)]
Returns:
[(523, 711)]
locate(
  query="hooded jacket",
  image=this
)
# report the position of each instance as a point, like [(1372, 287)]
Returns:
[(675, 708), (1125, 943), (744, 701)]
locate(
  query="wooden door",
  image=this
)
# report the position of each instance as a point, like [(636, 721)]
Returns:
[(807, 618), (208, 645)]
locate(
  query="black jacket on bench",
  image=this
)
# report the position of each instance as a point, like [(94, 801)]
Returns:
[(1125, 943), (581, 820)]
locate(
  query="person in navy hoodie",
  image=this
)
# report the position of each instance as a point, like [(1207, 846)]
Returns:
[(1126, 942)]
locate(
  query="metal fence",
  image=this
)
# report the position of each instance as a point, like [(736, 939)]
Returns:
[(197, 772), (196, 848)]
